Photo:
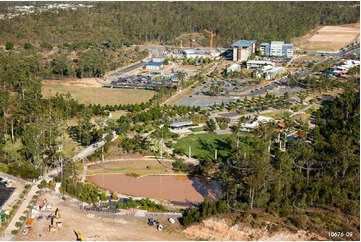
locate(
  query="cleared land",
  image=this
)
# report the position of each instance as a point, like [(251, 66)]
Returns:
[(94, 228), (102, 96), (329, 38)]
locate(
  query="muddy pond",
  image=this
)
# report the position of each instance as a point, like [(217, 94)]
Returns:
[(181, 190)]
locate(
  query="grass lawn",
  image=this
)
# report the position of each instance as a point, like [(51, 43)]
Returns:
[(3, 168), (303, 117), (117, 114), (198, 129), (203, 144), (140, 168), (102, 96), (275, 114)]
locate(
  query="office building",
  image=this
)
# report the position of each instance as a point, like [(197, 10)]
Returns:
[(243, 49), (277, 49)]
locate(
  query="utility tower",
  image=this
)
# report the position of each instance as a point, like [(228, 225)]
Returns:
[(212, 34)]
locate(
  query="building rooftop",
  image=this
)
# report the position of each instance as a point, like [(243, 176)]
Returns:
[(180, 124), (260, 62), (277, 42), (151, 63), (243, 43)]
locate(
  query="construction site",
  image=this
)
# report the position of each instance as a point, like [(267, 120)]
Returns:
[(53, 218)]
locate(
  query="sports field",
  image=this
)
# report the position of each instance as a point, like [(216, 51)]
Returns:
[(102, 96)]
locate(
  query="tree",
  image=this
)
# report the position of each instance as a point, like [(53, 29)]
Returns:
[(61, 65), (166, 62), (103, 196), (211, 125)]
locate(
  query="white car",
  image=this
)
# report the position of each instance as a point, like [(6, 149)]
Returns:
[(171, 220), (160, 227), (25, 231)]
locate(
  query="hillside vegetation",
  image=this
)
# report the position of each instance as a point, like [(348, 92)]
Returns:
[(141, 22), (77, 59)]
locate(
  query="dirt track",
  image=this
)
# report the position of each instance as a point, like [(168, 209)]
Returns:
[(83, 82)]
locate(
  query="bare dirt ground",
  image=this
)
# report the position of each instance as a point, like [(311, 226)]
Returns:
[(329, 38), (103, 96), (308, 58), (94, 228), (83, 82), (214, 229)]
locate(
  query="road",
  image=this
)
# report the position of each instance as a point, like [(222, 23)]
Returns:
[(27, 198), (119, 73), (91, 149), (336, 56), (7, 236)]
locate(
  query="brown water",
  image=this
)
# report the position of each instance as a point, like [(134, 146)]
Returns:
[(180, 190)]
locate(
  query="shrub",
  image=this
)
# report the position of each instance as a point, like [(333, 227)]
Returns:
[(14, 232), (18, 224), (28, 46), (46, 45), (64, 198), (27, 186), (21, 196), (42, 184), (115, 196), (296, 221), (133, 174), (275, 228), (23, 218), (9, 46), (284, 212)]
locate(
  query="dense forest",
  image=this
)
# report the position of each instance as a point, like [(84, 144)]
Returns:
[(139, 22)]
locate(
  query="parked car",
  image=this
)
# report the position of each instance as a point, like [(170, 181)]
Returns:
[(171, 220), (152, 221)]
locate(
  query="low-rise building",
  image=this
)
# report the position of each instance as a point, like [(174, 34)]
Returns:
[(255, 64), (234, 67), (243, 49), (255, 123), (269, 72), (179, 125), (153, 65)]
